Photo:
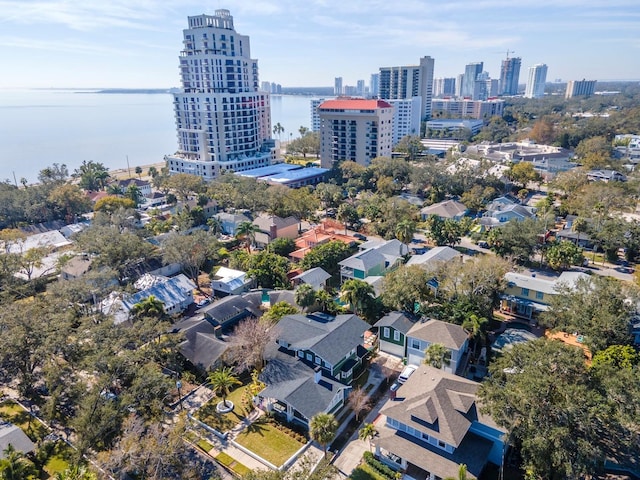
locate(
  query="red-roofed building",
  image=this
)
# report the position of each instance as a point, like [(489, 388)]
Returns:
[(355, 129)]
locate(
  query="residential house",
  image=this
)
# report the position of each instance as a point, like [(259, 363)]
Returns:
[(13, 435), (527, 295), (209, 210), (375, 258), (425, 333), (512, 212), (272, 227), (436, 257), (227, 281), (392, 333), (581, 239), (316, 277), (605, 176), (312, 364), (202, 346), (175, 293), (324, 341), (230, 310), (447, 209), (143, 186), (75, 267), (327, 231), (434, 424), (229, 222)]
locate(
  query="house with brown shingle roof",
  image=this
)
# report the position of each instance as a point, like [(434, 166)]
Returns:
[(425, 333), (446, 209), (433, 424)]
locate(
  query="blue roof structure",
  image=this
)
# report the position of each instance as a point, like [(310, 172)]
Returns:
[(295, 175)]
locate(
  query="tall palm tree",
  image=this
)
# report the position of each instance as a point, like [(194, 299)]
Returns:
[(356, 293), (405, 230), (15, 466), (247, 231), (437, 355), (278, 129), (221, 382), (323, 428), (579, 226), (149, 307), (475, 326), (325, 300), (368, 433), (305, 296)]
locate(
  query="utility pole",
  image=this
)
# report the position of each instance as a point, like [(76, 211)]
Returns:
[(128, 167)]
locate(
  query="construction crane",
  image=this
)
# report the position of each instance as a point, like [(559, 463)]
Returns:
[(508, 52)]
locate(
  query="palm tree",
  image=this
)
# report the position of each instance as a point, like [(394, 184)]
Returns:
[(221, 382), (475, 326), (149, 307), (215, 225), (405, 230), (437, 355), (305, 296), (139, 172), (323, 428), (368, 432), (356, 293), (14, 465), (462, 473), (278, 129), (325, 300), (579, 226), (247, 231), (114, 189)]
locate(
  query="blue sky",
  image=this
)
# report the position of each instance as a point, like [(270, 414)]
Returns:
[(135, 43)]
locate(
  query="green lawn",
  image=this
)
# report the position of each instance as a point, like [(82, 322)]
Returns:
[(223, 423), (269, 443), (204, 445), (232, 464), (58, 462), (365, 472), (14, 413)]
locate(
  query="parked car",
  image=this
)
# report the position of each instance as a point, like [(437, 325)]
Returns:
[(483, 244), (360, 236), (204, 302)]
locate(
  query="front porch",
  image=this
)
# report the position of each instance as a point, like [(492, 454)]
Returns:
[(519, 307)]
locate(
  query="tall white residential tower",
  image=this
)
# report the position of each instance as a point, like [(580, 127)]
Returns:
[(536, 81), (408, 82), (223, 120)]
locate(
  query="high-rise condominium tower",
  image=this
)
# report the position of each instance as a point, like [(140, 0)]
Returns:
[(374, 85), (471, 72), (509, 76), (536, 81), (337, 86), (576, 88), (223, 120), (408, 82)]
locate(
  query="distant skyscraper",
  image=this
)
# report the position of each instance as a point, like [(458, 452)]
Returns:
[(408, 82), (471, 72), (509, 76), (444, 87), (374, 85), (582, 87), (459, 82), (360, 88), (492, 87), (354, 129), (223, 120), (536, 81), (337, 86), (265, 86)]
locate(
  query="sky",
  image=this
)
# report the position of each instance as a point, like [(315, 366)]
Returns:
[(135, 43)]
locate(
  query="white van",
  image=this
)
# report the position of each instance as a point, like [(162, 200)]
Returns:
[(406, 373)]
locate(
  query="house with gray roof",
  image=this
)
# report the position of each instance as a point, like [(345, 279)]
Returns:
[(447, 209), (229, 222), (316, 277), (230, 310), (433, 424), (175, 293), (513, 212), (202, 346), (427, 332), (13, 435), (227, 281), (375, 258), (435, 257), (392, 333)]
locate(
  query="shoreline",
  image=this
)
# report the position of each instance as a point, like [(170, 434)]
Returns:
[(127, 173)]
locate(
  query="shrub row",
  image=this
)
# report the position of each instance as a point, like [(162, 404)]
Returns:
[(287, 429), (378, 466)]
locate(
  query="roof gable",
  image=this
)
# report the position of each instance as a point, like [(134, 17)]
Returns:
[(436, 331)]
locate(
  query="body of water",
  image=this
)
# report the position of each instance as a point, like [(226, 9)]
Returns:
[(42, 127)]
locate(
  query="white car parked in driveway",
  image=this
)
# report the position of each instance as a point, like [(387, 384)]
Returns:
[(406, 373)]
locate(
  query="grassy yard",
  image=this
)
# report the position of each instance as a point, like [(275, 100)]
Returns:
[(365, 472), (59, 459), (232, 464), (14, 413), (223, 423), (269, 442)]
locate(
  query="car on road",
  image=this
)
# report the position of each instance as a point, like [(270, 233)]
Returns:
[(360, 236), (483, 244)]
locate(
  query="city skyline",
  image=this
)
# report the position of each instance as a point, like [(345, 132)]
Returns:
[(132, 44)]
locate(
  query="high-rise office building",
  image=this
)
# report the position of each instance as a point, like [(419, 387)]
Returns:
[(337, 86), (536, 81), (509, 76), (471, 72), (223, 121), (408, 82), (360, 88), (459, 82), (354, 129), (576, 88), (374, 85)]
